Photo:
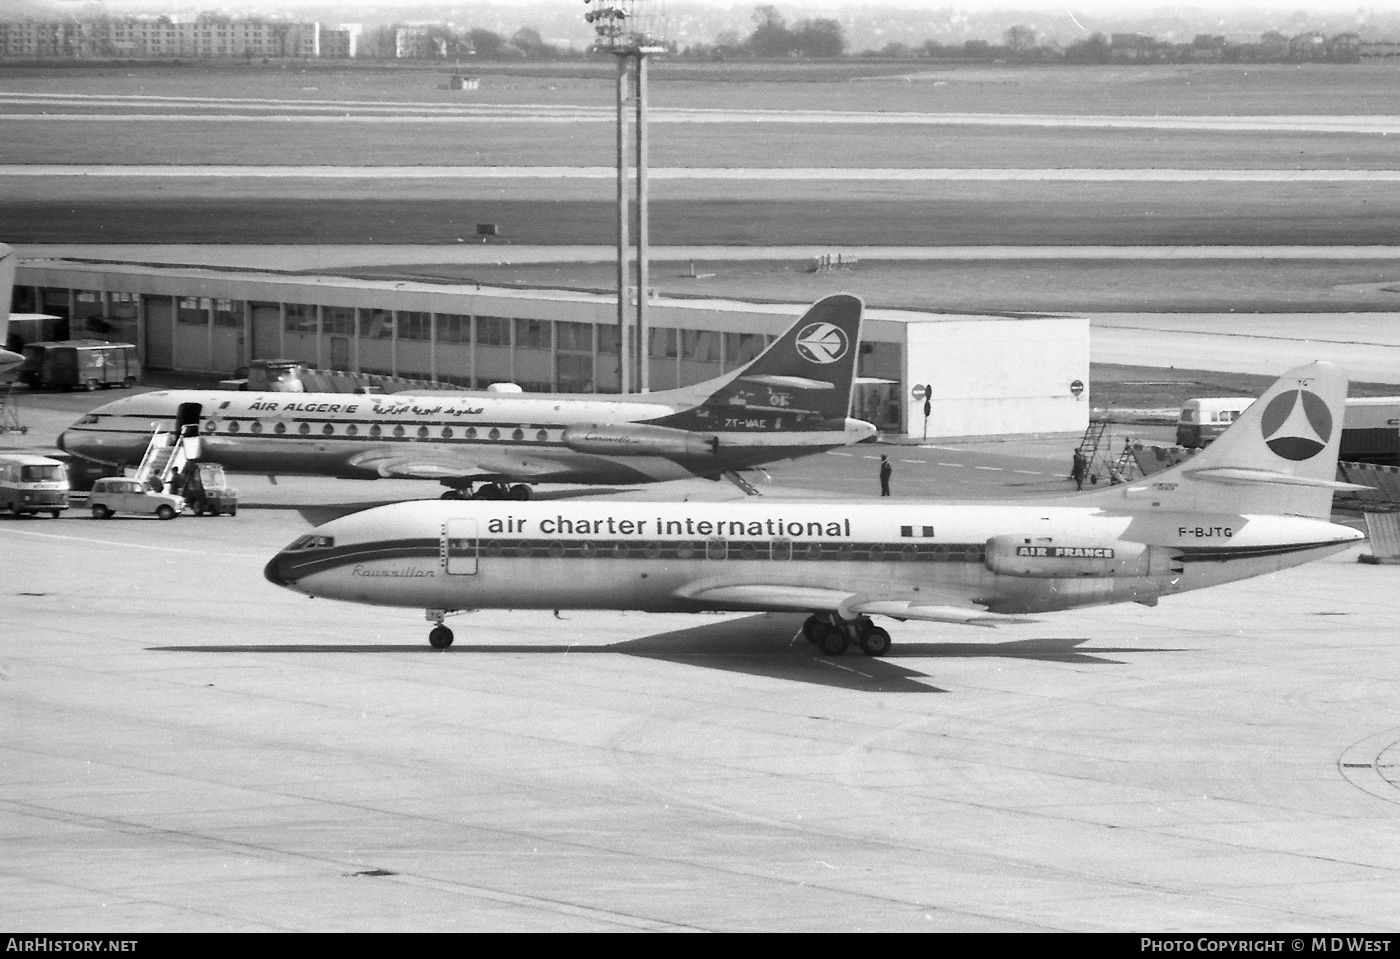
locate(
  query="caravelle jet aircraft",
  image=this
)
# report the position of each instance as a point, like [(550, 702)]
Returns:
[(792, 400), (1256, 501)]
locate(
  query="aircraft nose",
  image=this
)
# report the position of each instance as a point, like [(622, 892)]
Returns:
[(62, 442), (274, 571)]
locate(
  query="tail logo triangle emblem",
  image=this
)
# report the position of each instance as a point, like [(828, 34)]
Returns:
[(1297, 425), (822, 343)]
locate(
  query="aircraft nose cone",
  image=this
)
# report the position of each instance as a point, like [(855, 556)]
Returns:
[(61, 441), (273, 573)]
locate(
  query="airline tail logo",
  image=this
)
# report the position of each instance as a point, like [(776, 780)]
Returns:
[(1297, 425), (822, 343)]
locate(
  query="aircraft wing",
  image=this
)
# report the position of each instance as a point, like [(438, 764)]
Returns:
[(780, 597), (427, 462)]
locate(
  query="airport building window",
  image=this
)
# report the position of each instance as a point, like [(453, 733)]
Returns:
[(493, 331), (454, 328), (663, 343), (574, 337), (700, 345), (188, 311), (377, 324), (607, 339), (122, 306), (228, 313), (740, 348), (533, 335), (338, 320), (414, 325), (301, 318)]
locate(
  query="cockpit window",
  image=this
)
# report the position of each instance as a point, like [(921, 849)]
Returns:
[(311, 541), (89, 420)]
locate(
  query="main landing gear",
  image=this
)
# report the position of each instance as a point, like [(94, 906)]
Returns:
[(832, 634), (490, 491)]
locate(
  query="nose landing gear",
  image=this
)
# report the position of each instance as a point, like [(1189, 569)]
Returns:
[(439, 637), (832, 634)]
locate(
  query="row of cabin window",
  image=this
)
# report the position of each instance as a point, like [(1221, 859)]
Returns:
[(375, 431), (778, 549)]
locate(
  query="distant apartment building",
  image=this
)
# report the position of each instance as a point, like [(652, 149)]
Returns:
[(162, 37)]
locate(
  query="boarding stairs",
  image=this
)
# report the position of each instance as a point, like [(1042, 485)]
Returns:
[(166, 455), (1097, 448)]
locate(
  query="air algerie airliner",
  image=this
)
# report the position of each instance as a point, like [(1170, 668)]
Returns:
[(792, 400), (1255, 501)]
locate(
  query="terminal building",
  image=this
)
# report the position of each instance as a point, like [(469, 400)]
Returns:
[(981, 374)]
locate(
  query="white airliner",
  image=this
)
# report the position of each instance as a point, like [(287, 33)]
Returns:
[(1256, 501), (792, 400)]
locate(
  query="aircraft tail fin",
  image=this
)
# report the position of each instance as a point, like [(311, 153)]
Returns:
[(804, 379), (1278, 457), (8, 361), (7, 287)]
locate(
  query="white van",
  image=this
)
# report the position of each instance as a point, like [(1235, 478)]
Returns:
[(1205, 418), (32, 484)]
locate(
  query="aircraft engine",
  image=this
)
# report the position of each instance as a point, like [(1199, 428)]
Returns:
[(637, 439), (1049, 557)]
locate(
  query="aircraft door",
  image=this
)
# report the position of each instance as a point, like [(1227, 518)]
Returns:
[(459, 547)]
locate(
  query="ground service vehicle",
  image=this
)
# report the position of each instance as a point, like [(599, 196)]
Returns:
[(85, 364), (121, 494), (32, 484), (1205, 418), (206, 489)]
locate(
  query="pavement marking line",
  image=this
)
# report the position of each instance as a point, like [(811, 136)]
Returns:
[(993, 469), (1030, 472), (841, 454), (104, 542), (950, 464)]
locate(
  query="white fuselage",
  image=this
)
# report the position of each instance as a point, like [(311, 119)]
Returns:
[(449, 435), (670, 556)]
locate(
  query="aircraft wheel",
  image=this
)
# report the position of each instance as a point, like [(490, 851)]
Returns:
[(520, 491), (812, 629), (451, 494), (832, 641), (440, 637), (55, 513), (875, 641), (165, 511), (199, 509), (100, 512)]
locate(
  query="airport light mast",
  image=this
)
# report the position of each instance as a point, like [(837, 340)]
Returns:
[(625, 28)]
